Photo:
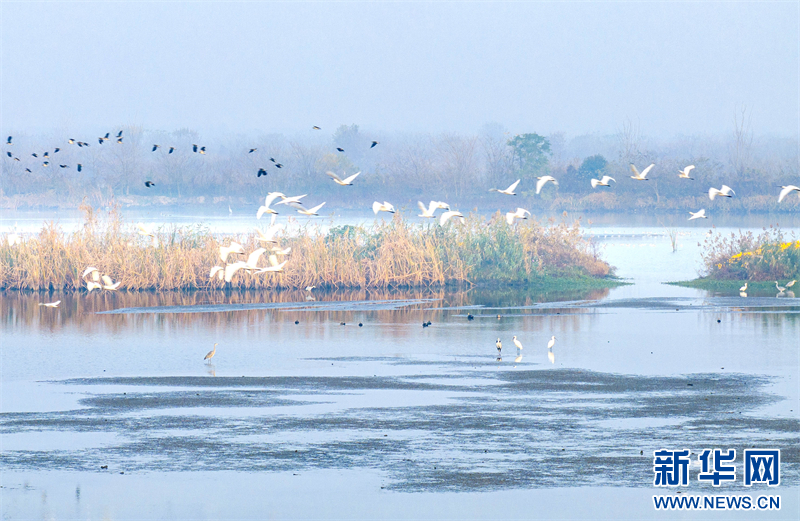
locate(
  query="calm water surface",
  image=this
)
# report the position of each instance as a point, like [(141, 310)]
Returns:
[(390, 419)]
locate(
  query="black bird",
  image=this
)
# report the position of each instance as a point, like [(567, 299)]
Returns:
[(56, 150), (80, 167), (46, 154), (194, 148), (360, 324), (16, 159), (316, 128), (46, 163), (424, 324), (105, 138), (171, 150), (155, 147), (373, 144), (470, 317), (100, 140), (118, 135), (119, 140), (296, 322), (8, 154), (342, 324), (279, 165), (28, 170), (429, 322), (202, 150), (71, 141), (148, 184), (34, 154), (272, 159), (64, 166), (9, 141), (261, 172), (340, 149), (252, 150)]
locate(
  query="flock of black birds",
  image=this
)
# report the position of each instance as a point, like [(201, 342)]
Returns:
[(195, 148)]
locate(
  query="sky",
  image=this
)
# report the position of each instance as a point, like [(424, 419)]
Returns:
[(227, 67)]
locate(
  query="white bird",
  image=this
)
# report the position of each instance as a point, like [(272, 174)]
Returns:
[(279, 251), (14, 239), (110, 284), (790, 284), (698, 215), (51, 304), (519, 214), (684, 174), (725, 191), (780, 288), (301, 209), (499, 345), (787, 190), (144, 231), (92, 285), (211, 353), (507, 191), (602, 182), (432, 207), (744, 288), (231, 269), (447, 215), (234, 247), (252, 259), (552, 342), (219, 271), (269, 236), (267, 202), (385, 207), (309, 288), (543, 181), (517, 343), (641, 177), (94, 271), (289, 200), (274, 265), (348, 181)]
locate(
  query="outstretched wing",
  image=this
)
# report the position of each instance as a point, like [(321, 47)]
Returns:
[(513, 187)]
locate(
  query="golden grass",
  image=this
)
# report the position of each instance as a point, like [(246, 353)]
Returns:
[(394, 254)]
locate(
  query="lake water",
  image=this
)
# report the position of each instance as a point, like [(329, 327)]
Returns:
[(108, 410)]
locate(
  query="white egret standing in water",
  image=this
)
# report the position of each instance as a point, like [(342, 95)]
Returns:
[(517, 342), (552, 342)]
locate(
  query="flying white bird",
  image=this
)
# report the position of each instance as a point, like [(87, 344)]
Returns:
[(224, 251), (289, 200), (274, 265), (725, 191), (640, 177), (432, 207), (507, 191), (543, 181), (144, 231), (385, 207), (447, 215), (110, 284), (348, 181), (267, 202), (231, 269), (269, 236), (519, 214), (302, 209), (787, 190), (95, 273), (51, 304), (698, 215), (252, 259), (602, 182), (219, 271), (92, 285), (552, 342), (684, 174), (279, 251), (517, 343)]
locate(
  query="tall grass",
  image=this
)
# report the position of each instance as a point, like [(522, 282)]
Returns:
[(768, 256), (393, 254)]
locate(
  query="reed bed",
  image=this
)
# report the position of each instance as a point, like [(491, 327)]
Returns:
[(768, 256), (389, 255)]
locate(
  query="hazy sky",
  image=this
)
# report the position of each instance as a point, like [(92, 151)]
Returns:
[(679, 67)]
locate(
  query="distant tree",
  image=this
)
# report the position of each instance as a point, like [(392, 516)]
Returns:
[(531, 153), (592, 167)]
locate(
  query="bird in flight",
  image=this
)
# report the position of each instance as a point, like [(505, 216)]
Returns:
[(252, 150), (64, 166), (316, 128), (787, 190), (543, 181), (28, 170), (278, 165), (156, 147), (8, 142), (119, 140), (343, 182), (641, 177), (8, 154), (46, 163), (119, 134), (202, 150), (56, 150), (46, 154), (373, 144), (698, 215), (385, 207), (34, 154), (171, 150), (507, 191), (148, 184), (80, 167), (51, 304), (725, 191), (340, 149), (684, 174), (447, 215), (301, 209), (71, 141), (267, 202), (602, 182), (194, 147), (261, 172), (521, 213)]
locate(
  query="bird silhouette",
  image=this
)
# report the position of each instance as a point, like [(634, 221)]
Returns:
[(8, 142), (56, 150), (171, 150), (64, 166), (261, 172), (35, 155), (119, 140), (202, 150), (156, 147), (340, 149), (148, 184), (373, 144), (80, 167), (118, 134), (194, 147), (316, 128), (8, 154), (278, 165), (252, 150)]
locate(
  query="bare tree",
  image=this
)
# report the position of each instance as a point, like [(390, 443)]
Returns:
[(742, 139), (629, 137)]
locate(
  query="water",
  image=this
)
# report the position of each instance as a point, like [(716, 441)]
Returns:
[(390, 419)]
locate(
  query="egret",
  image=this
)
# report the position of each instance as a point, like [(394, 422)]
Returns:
[(641, 177), (51, 304), (790, 284), (224, 251), (602, 182), (432, 207), (231, 269), (94, 271), (311, 211), (348, 181), (743, 294), (787, 190), (543, 181), (725, 191), (310, 288), (289, 200), (447, 215), (109, 284), (252, 259), (519, 214), (698, 215), (781, 288), (211, 353), (267, 202), (552, 342), (385, 207), (219, 271), (268, 237), (684, 174), (517, 342), (744, 288), (507, 191)]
